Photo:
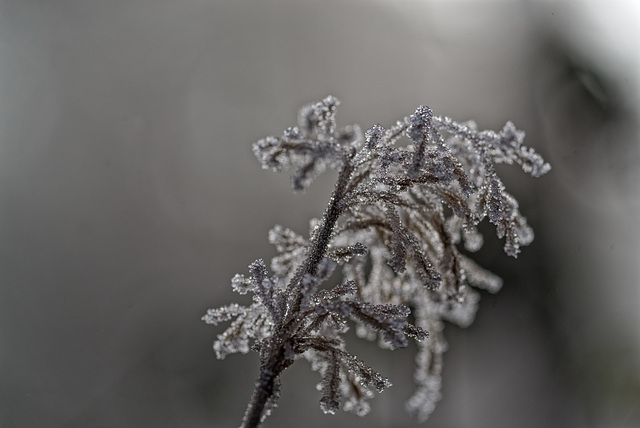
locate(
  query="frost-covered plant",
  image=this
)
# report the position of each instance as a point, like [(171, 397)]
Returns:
[(393, 225)]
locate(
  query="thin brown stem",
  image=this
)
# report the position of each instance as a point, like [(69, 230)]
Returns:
[(265, 388), (276, 359)]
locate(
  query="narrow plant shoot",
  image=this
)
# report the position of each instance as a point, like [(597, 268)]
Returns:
[(396, 225)]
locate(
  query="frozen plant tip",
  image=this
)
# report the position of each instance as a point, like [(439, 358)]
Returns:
[(393, 226)]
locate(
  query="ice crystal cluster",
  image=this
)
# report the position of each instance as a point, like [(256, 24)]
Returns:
[(400, 222)]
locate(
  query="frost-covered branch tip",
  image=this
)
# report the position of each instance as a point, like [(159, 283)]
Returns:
[(398, 228)]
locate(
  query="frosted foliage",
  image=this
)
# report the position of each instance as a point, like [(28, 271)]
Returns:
[(396, 228), (240, 284)]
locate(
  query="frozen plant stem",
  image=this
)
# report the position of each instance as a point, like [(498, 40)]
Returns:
[(395, 220), (277, 362), (264, 388)]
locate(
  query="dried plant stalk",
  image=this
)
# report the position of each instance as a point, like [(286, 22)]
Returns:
[(393, 225)]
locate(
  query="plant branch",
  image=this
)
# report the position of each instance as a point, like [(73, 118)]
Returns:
[(277, 360)]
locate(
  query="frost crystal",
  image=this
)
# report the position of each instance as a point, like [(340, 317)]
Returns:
[(396, 227)]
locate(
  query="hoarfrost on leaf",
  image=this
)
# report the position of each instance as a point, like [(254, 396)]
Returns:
[(396, 227)]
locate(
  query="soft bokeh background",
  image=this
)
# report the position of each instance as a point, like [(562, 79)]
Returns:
[(129, 197)]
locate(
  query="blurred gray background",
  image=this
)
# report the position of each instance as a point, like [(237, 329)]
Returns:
[(129, 196)]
